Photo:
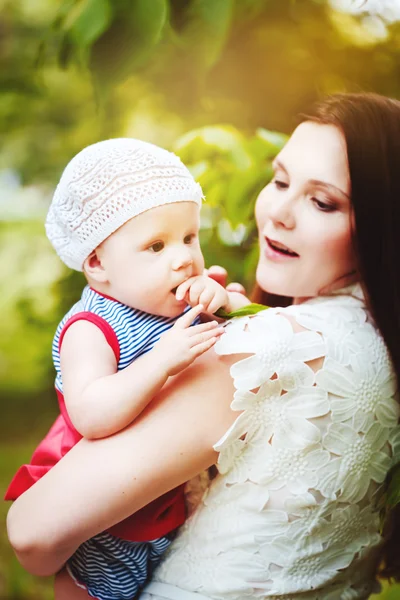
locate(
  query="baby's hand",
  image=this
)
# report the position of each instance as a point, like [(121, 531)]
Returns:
[(182, 344), (203, 290)]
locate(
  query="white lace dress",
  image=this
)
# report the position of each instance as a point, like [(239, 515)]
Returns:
[(292, 514)]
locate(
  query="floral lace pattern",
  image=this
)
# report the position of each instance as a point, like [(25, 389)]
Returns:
[(293, 512)]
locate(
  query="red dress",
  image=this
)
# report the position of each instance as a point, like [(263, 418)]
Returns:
[(164, 514)]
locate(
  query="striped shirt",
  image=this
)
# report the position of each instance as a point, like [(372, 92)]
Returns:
[(109, 568), (106, 566), (130, 332), (117, 563)]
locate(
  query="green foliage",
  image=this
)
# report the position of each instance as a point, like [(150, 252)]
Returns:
[(207, 29), (87, 21), (115, 39), (225, 72), (133, 36), (232, 168), (15, 582), (244, 311), (393, 493)]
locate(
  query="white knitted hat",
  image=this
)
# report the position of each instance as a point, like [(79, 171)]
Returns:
[(107, 184)]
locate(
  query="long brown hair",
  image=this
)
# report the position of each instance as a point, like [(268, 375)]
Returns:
[(371, 127)]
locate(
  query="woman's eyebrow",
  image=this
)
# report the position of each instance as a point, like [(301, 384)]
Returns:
[(333, 188), (329, 186)]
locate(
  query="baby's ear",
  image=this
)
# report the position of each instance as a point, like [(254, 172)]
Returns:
[(93, 267)]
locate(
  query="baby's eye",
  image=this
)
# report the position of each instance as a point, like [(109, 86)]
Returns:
[(157, 247), (188, 239)]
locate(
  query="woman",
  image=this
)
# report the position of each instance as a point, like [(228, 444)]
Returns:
[(313, 429)]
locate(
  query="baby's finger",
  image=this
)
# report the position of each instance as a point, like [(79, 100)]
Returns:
[(236, 287), (187, 319), (206, 297), (201, 338), (210, 325), (203, 346), (217, 302), (196, 289), (182, 289)]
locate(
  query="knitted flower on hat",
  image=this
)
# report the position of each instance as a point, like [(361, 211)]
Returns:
[(107, 184)]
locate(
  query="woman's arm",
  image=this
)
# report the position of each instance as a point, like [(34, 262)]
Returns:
[(101, 482)]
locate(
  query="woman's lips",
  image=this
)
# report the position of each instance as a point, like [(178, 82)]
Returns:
[(274, 253)]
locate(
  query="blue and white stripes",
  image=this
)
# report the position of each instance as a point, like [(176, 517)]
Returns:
[(113, 569), (135, 331)]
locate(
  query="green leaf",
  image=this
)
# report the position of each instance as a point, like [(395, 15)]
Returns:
[(204, 142), (198, 169), (66, 52), (148, 19), (215, 193), (129, 42), (207, 30), (89, 21), (250, 309), (241, 192), (393, 491), (273, 141)]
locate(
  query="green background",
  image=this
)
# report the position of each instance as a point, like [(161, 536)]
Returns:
[(221, 82)]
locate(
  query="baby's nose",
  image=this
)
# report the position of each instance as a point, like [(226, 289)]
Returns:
[(181, 260)]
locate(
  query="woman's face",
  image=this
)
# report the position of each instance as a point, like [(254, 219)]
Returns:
[(304, 215)]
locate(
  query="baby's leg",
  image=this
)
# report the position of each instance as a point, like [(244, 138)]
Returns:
[(66, 589)]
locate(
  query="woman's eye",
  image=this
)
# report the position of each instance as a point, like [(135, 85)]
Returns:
[(323, 206), (157, 247), (281, 185), (188, 239)]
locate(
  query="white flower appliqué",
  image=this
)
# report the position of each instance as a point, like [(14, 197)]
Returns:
[(360, 459), (276, 349), (270, 413), (292, 513), (294, 467), (363, 393)]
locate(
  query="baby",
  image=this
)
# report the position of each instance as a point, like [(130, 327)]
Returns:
[(126, 213)]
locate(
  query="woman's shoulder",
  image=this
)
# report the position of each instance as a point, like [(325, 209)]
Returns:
[(327, 346), (345, 308), (338, 326)]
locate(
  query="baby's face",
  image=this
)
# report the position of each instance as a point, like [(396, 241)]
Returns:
[(146, 259)]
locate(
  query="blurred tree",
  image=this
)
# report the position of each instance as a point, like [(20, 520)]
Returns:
[(83, 70), (208, 78), (77, 72)]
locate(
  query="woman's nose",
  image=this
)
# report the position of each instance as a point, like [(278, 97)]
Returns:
[(282, 211), (182, 259)]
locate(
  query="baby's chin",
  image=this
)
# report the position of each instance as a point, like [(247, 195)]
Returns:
[(168, 312)]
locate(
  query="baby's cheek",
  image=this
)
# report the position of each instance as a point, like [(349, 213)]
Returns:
[(199, 264)]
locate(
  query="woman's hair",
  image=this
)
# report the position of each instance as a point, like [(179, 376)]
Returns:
[(371, 128)]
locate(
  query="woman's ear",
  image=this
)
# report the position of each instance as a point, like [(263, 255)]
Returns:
[(94, 268)]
